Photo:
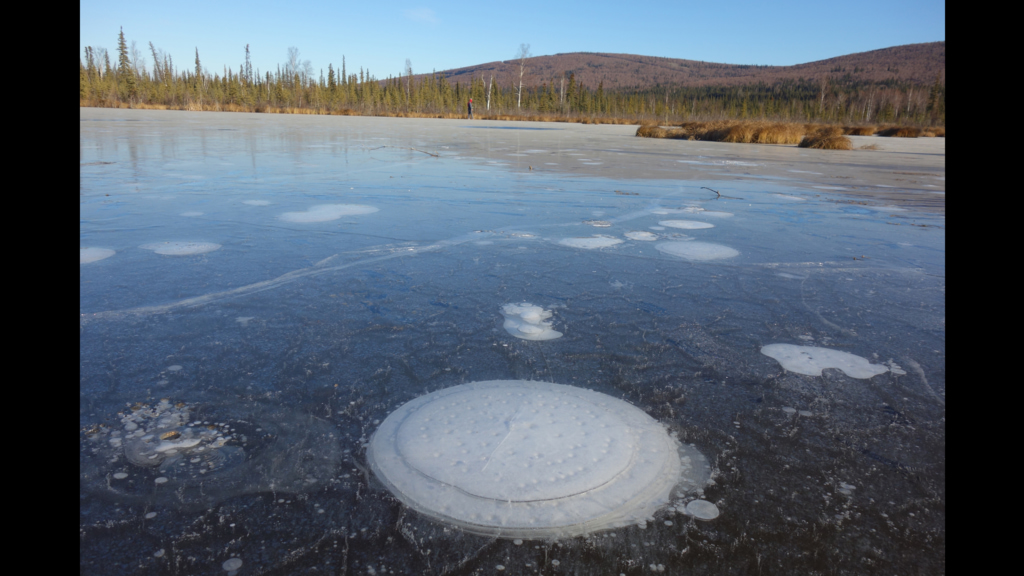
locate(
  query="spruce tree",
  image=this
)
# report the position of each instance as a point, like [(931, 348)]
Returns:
[(248, 66), (127, 88)]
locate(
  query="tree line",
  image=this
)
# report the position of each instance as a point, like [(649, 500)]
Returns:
[(132, 82)]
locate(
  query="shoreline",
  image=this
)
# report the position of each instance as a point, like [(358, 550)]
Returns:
[(905, 171)]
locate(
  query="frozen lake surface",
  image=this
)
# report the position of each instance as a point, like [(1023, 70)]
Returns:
[(287, 282)]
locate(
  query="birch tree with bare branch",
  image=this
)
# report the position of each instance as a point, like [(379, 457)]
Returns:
[(522, 55)]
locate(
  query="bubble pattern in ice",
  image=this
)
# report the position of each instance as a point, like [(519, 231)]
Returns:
[(514, 458)]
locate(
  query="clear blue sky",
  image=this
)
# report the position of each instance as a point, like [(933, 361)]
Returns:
[(441, 35)]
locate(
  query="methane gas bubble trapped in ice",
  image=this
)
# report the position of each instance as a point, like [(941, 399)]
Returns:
[(811, 360), (528, 322), (327, 212), (524, 459), (642, 236), (686, 224), (590, 243), (89, 255), (191, 456), (181, 248), (697, 251)]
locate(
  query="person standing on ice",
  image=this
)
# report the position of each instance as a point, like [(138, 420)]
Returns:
[(469, 106)]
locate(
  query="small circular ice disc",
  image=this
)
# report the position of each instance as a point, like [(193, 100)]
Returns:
[(530, 459), (702, 509)]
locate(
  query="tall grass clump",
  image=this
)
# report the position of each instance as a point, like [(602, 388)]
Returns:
[(735, 131), (828, 138), (648, 131), (778, 133)]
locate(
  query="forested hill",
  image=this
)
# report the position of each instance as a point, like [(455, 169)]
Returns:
[(908, 64)]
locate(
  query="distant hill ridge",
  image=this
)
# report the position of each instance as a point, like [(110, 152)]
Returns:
[(913, 63)]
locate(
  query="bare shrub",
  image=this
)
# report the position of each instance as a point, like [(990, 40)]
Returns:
[(901, 132)]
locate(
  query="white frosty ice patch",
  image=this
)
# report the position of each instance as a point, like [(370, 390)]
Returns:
[(256, 202), (588, 243), (687, 210), (788, 197), (327, 212), (698, 251), (87, 255), (519, 459), (641, 235), (686, 224), (811, 360), (528, 322), (715, 214), (181, 248)]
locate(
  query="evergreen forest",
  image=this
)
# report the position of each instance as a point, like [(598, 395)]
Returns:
[(153, 80)]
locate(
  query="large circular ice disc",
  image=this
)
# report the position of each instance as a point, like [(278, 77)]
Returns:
[(516, 444), (523, 459)]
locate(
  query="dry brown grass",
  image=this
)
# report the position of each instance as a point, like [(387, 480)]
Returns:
[(859, 130), (744, 131), (827, 138), (827, 132), (779, 133), (869, 147), (747, 132), (729, 131), (901, 132), (645, 131)]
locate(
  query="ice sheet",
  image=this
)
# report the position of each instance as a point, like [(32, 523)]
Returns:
[(314, 332)]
